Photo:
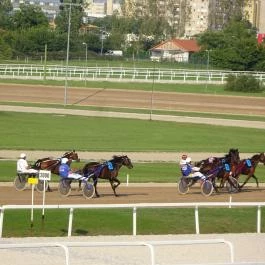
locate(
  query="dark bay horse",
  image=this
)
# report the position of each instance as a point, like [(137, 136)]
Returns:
[(221, 167), (108, 170), (247, 167)]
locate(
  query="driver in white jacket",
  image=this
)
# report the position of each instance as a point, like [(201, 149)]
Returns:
[(23, 166)]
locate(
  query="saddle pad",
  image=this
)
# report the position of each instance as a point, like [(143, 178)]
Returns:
[(248, 163)]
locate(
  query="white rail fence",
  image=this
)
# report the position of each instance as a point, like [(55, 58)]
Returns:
[(134, 208), (119, 74), (150, 244)]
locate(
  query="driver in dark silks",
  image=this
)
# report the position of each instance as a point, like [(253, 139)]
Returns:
[(190, 171)]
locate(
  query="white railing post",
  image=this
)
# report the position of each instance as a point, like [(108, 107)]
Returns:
[(197, 224), (70, 224), (1, 221), (259, 219), (134, 221)]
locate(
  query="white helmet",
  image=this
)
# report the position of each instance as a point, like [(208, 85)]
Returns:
[(64, 160), (188, 160), (22, 155), (185, 160)]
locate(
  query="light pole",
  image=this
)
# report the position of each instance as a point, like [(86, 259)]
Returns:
[(102, 37), (86, 51), (67, 52), (207, 67)]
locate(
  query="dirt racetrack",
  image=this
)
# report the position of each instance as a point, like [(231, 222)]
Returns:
[(134, 99), (133, 193)]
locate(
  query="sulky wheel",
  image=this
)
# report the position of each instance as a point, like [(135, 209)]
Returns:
[(183, 187), (40, 186), (207, 188), (64, 187), (20, 182), (88, 190), (232, 185)]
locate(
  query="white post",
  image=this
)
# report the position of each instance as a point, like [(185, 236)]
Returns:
[(197, 225), (127, 180), (1, 221), (43, 198), (32, 204), (230, 200), (258, 219), (70, 224), (134, 221)]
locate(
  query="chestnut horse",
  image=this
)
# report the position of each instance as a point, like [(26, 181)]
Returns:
[(108, 170), (248, 167)]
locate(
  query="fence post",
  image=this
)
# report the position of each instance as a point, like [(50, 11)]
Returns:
[(197, 225), (70, 224), (259, 219), (1, 221), (134, 221)]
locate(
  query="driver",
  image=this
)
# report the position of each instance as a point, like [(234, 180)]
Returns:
[(23, 166), (188, 170), (66, 172)]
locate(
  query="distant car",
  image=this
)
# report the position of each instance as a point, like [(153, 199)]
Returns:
[(114, 53)]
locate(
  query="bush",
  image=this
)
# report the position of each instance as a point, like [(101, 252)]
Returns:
[(244, 83)]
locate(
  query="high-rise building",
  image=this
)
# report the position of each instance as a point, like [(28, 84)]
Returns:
[(197, 17), (254, 11)]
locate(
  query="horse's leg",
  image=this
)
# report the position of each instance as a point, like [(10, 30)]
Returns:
[(245, 182), (113, 185), (95, 186), (256, 179)]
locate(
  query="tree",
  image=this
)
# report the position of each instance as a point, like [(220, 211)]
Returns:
[(29, 16), (5, 14), (235, 47)]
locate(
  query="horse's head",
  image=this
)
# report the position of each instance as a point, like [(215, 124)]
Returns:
[(123, 160), (233, 156), (262, 158), (71, 155)]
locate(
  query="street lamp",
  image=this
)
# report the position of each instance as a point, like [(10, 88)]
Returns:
[(86, 51)]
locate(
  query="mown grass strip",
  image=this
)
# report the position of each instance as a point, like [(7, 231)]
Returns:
[(119, 222), (29, 131)]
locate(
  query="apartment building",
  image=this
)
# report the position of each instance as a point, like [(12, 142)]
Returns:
[(254, 11)]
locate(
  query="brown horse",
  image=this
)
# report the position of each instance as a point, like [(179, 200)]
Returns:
[(52, 164), (107, 170), (220, 167), (248, 167)]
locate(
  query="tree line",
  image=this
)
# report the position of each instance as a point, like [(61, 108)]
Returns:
[(27, 31)]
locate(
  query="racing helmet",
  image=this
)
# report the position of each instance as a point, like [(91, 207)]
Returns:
[(22, 155), (64, 160), (188, 160)]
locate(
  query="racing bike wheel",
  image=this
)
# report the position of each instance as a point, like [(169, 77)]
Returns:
[(183, 187), (88, 190), (232, 184), (20, 182), (207, 188), (64, 187)]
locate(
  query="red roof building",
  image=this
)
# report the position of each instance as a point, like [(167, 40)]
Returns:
[(175, 50)]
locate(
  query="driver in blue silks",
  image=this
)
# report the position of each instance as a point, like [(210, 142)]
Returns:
[(188, 170), (66, 172)]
